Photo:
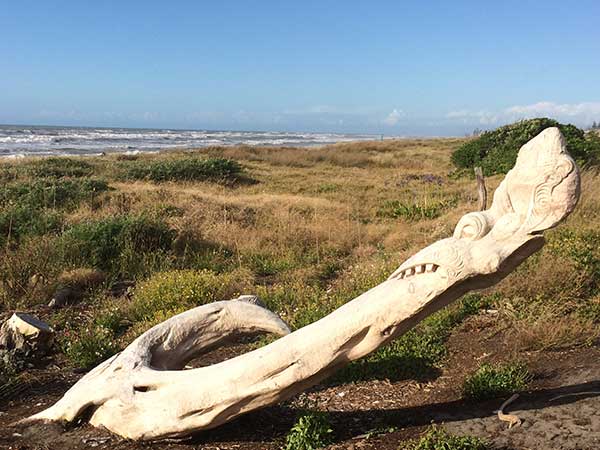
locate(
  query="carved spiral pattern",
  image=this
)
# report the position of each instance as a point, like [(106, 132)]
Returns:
[(542, 198), (472, 227), (449, 257)]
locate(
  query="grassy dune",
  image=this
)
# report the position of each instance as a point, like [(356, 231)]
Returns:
[(131, 240)]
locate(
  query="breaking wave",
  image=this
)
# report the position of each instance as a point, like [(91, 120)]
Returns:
[(18, 141)]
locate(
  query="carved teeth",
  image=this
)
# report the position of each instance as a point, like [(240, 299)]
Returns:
[(421, 268)]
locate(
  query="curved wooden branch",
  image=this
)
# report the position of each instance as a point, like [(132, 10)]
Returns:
[(141, 394)]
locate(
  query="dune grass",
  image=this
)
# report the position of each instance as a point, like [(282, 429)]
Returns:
[(307, 235)]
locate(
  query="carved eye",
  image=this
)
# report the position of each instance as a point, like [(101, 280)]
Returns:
[(472, 226)]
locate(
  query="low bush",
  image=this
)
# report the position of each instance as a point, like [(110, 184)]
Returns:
[(439, 439), (264, 264), (34, 208), (108, 244), (55, 194), (185, 169), (491, 381), (581, 247), (496, 151), (168, 293), (19, 221), (88, 346), (11, 363), (311, 431), (58, 167), (113, 318)]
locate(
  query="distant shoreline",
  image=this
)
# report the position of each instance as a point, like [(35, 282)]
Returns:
[(18, 141)]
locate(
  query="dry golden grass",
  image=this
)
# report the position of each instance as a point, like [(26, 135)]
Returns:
[(310, 224), (547, 330)]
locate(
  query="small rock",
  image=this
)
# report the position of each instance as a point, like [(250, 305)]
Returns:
[(22, 330), (64, 296), (121, 288)]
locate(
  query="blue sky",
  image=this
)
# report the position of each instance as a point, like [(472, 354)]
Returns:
[(398, 68)]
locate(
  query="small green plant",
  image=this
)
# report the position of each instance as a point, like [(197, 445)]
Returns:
[(491, 381), (379, 431), (11, 363), (112, 318), (311, 431), (264, 265), (89, 345), (439, 439), (185, 169), (327, 187), (412, 212), (174, 291), (581, 246)]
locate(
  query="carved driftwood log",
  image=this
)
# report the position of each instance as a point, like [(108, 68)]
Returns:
[(142, 393)]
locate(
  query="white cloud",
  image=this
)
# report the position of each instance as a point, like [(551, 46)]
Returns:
[(584, 110), (394, 117), (581, 114), (482, 117)]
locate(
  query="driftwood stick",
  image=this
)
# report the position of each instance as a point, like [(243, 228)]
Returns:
[(481, 190)]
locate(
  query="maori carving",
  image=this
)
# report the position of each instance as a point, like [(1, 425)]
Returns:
[(143, 393)]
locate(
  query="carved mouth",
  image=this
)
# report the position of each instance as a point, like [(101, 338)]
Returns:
[(416, 270)]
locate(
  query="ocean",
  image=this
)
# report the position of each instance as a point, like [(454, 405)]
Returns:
[(23, 140)]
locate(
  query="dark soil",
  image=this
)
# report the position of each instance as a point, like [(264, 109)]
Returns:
[(362, 414)]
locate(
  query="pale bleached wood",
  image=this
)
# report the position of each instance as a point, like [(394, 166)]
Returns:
[(141, 394)]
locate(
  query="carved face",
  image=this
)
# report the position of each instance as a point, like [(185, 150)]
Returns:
[(543, 187), (541, 190)]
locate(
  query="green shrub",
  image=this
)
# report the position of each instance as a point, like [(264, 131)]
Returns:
[(34, 208), (11, 363), (18, 221), (311, 431), (59, 167), (88, 346), (105, 244), (310, 313), (415, 211), (45, 193), (113, 319), (496, 151), (169, 293), (581, 246), (264, 265), (496, 381), (185, 169), (439, 439)]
